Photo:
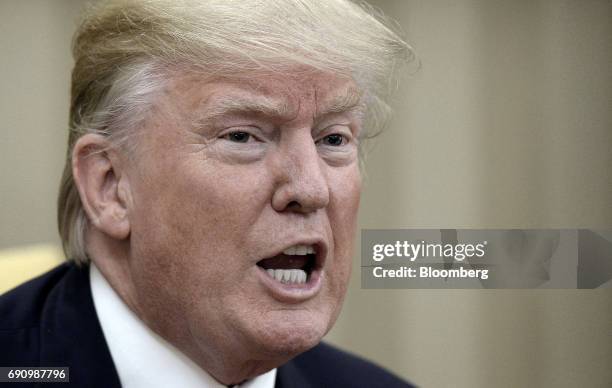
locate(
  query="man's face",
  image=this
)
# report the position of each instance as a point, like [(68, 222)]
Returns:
[(229, 174)]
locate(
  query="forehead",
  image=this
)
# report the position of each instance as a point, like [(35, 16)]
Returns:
[(277, 94)]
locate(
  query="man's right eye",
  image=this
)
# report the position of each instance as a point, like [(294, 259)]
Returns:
[(238, 137)]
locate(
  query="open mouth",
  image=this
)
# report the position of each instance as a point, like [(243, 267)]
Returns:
[(295, 265)]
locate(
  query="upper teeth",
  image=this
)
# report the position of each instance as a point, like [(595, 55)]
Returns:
[(299, 250)]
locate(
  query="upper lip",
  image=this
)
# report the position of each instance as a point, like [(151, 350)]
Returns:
[(319, 245)]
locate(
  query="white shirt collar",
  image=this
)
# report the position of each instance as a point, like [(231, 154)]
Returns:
[(143, 358)]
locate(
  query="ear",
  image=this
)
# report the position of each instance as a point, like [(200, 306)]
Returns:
[(102, 185)]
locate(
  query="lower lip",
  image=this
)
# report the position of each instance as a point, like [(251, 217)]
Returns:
[(293, 292)]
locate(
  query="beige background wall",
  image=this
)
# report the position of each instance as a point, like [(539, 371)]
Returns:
[(508, 123)]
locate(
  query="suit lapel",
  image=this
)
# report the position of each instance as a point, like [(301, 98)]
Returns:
[(290, 376), (71, 334)]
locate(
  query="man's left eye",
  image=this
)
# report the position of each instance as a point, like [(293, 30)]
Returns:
[(334, 140)]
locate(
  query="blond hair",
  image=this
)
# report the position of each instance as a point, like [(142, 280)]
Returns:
[(124, 51)]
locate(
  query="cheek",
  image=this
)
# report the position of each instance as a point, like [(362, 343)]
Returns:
[(344, 196), (200, 197), (196, 212), (188, 228)]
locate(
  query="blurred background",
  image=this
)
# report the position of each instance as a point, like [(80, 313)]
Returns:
[(507, 124)]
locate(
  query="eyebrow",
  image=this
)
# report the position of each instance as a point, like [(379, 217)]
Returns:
[(351, 99), (236, 105)]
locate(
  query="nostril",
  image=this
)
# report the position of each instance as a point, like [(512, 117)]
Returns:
[(294, 205), (300, 195)]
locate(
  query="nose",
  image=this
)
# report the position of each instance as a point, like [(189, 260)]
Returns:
[(302, 184)]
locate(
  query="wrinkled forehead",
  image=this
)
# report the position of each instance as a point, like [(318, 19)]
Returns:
[(272, 94)]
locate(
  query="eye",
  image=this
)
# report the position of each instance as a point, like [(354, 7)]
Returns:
[(334, 140), (238, 137)]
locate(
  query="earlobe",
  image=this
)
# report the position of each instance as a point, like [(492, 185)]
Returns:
[(102, 188)]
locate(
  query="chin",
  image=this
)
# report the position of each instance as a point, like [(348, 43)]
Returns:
[(288, 337)]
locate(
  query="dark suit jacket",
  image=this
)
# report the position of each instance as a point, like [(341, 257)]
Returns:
[(51, 321)]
